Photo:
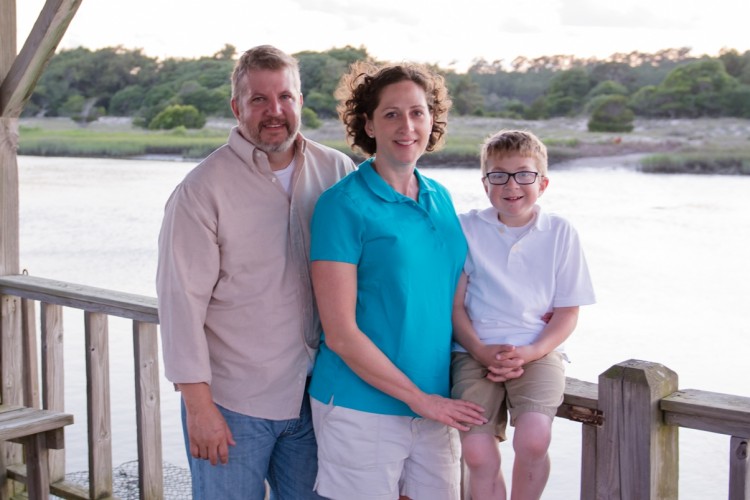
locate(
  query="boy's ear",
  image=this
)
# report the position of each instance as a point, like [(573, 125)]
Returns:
[(543, 183)]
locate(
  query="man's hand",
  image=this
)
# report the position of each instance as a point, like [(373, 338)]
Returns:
[(208, 433)]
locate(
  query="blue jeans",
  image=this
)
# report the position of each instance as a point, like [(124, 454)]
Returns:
[(283, 452)]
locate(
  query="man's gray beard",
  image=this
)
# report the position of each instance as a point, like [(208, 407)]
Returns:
[(278, 148)]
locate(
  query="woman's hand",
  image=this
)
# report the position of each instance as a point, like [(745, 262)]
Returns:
[(453, 412)]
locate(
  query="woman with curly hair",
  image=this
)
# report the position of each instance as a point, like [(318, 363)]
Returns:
[(387, 252)]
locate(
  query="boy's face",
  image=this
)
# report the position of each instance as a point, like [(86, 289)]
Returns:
[(514, 202)]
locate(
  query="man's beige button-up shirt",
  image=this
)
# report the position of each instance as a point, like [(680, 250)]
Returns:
[(233, 282)]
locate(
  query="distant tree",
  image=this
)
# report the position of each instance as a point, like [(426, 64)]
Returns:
[(696, 89), (466, 95), (599, 93), (611, 114), (159, 94), (320, 73), (92, 74), (736, 102), (736, 64), (607, 87), (349, 54), (227, 53), (72, 106), (650, 102), (668, 83), (566, 93), (178, 115), (127, 101), (610, 71)]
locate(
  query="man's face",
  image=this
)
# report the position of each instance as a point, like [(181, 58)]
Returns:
[(268, 108)]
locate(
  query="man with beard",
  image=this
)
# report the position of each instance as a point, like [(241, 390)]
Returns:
[(238, 322)]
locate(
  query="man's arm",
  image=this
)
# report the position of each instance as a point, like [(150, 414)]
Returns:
[(187, 272)]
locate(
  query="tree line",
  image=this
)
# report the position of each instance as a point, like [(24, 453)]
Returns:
[(115, 81)]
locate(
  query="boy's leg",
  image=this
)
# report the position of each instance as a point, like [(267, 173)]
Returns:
[(480, 444), (533, 400), (531, 468), (482, 457), (294, 463)]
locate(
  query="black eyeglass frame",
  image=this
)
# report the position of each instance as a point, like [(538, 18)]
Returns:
[(507, 180)]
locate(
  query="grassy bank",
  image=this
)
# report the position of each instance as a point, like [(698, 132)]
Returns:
[(718, 146)]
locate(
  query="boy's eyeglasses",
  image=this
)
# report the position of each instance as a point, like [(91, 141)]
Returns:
[(500, 178)]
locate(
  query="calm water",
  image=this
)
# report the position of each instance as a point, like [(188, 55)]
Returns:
[(668, 255)]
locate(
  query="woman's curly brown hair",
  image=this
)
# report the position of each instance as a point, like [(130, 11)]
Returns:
[(359, 91)]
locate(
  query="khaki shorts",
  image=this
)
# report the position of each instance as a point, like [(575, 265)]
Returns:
[(540, 389), (368, 456)]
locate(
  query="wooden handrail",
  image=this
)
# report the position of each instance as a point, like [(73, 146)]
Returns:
[(98, 305), (708, 411), (87, 298)]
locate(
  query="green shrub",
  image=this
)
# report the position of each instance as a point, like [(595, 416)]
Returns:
[(611, 114), (178, 115), (310, 119)]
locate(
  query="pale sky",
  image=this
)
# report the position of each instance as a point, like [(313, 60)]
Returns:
[(449, 33)]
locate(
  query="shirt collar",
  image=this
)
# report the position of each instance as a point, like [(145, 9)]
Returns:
[(383, 190), (541, 221)]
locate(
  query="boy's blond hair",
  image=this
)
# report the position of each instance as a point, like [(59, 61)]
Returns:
[(514, 142)]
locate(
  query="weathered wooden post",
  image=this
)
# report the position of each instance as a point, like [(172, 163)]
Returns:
[(637, 453), (19, 73), (10, 318), (739, 469)]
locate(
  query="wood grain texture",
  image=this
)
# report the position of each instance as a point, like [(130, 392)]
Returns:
[(99, 408), (147, 407)]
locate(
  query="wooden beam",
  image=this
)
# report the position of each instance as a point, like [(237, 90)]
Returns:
[(50, 26), (9, 213), (7, 36)]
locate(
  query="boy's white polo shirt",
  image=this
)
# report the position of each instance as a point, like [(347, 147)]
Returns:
[(513, 282)]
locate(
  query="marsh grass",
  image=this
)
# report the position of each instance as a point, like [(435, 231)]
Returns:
[(117, 143), (699, 162), (719, 145)]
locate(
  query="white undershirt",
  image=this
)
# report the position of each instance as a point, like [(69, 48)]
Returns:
[(285, 176)]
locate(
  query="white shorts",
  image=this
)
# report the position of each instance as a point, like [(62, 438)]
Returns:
[(371, 456)]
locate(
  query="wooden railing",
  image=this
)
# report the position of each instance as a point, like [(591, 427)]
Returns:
[(630, 419), (19, 296)]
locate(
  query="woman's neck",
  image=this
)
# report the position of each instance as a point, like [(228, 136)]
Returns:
[(402, 179)]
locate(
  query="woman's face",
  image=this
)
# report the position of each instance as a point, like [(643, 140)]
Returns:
[(401, 125)]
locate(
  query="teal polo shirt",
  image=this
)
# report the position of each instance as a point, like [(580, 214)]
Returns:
[(409, 255)]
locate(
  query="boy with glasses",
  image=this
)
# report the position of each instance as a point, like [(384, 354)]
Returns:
[(523, 264)]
